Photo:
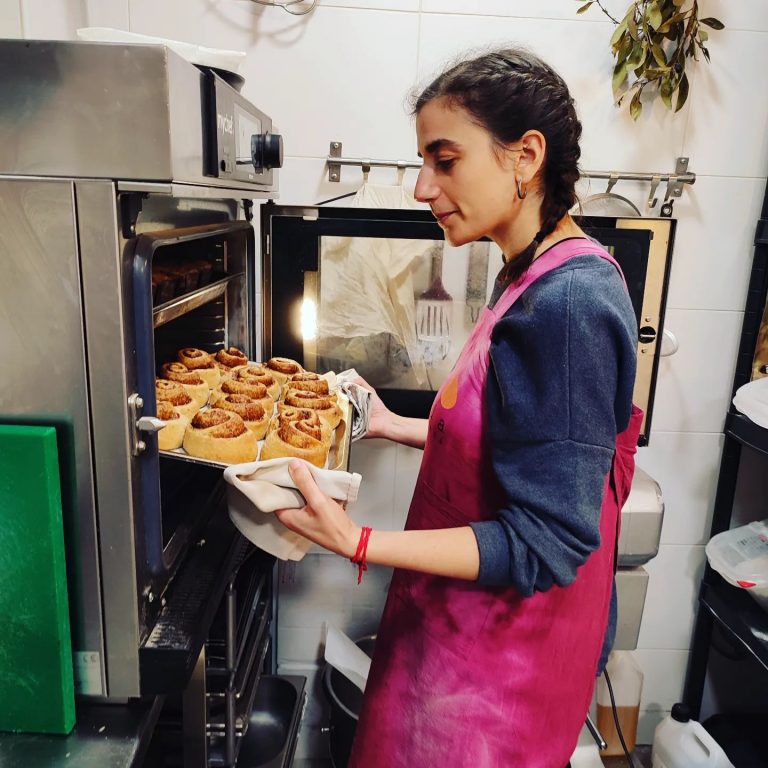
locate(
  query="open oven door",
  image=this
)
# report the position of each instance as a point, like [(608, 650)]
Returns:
[(379, 290)]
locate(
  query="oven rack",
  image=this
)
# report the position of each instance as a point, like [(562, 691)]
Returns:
[(177, 307)]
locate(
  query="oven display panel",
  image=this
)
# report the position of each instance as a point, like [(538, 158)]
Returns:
[(246, 125)]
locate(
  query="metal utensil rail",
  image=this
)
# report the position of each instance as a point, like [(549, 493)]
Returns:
[(675, 181)]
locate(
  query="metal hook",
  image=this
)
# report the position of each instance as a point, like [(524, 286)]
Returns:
[(652, 199), (366, 170), (612, 179)]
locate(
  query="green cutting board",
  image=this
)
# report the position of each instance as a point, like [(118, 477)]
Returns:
[(36, 683)]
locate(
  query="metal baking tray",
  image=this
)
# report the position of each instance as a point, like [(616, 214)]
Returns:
[(338, 456)]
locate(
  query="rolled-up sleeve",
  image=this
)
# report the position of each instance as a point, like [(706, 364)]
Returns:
[(559, 389)]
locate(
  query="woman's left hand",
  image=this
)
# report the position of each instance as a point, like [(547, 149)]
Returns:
[(321, 520)]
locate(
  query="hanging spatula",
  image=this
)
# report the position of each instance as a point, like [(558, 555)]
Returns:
[(477, 278), (433, 310)]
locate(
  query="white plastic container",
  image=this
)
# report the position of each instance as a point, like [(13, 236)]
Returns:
[(627, 684), (740, 556), (680, 742)]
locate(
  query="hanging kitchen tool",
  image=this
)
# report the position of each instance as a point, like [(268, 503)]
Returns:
[(477, 278), (433, 312)]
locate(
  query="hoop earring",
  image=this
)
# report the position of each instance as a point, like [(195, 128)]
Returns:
[(521, 190)]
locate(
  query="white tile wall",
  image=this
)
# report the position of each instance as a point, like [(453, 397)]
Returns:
[(713, 244), (670, 603), (685, 464), (343, 72), (727, 132), (45, 20), (10, 19), (694, 385)]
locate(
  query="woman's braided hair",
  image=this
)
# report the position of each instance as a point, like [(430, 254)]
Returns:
[(510, 91)]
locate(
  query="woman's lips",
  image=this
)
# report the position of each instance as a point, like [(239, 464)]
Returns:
[(441, 217)]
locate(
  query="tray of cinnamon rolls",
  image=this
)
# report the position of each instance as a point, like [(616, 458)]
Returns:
[(221, 409)]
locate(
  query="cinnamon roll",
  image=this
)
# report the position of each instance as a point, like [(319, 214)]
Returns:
[(228, 359), (202, 364), (298, 433), (325, 406), (220, 435), (192, 382), (254, 373), (251, 389), (282, 368), (172, 392), (253, 413), (172, 434), (308, 382)]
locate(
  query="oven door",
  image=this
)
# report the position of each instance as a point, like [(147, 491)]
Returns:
[(204, 300), (381, 291)]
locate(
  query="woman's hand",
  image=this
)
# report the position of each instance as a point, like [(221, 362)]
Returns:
[(380, 418), (322, 520), (384, 423)]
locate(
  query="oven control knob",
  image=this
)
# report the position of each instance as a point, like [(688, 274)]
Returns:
[(267, 151)]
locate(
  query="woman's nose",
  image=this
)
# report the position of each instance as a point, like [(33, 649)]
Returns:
[(425, 190)]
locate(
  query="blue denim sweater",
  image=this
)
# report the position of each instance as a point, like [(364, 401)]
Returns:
[(559, 390)]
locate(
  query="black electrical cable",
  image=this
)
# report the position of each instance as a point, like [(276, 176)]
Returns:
[(334, 199), (630, 761)]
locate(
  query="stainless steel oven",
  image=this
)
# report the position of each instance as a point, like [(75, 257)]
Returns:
[(116, 163)]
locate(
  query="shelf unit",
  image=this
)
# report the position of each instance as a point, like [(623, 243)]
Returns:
[(730, 608)]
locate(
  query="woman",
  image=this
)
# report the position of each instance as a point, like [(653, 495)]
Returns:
[(497, 612)]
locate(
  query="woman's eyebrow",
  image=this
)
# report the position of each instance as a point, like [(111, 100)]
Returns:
[(438, 144)]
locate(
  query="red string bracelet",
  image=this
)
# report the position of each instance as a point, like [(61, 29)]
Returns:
[(362, 549)]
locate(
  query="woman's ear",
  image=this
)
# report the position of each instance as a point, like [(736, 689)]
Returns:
[(532, 147)]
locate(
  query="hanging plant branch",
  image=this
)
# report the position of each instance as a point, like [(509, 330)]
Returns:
[(651, 45)]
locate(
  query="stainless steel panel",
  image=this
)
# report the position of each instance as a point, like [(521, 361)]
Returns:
[(104, 110), (44, 378), (82, 109), (108, 328)]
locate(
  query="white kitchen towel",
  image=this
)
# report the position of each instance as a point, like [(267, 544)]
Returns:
[(257, 489), (360, 397), (752, 400)]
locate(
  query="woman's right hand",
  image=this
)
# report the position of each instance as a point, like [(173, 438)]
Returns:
[(380, 418)]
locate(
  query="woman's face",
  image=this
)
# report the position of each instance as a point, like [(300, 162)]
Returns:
[(469, 185)]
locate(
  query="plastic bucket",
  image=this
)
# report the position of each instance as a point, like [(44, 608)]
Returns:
[(346, 701)]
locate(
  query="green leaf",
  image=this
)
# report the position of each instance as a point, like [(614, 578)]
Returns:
[(618, 32), (703, 36), (635, 107), (666, 92), (632, 27), (658, 54), (682, 93), (671, 21), (619, 77), (585, 7), (653, 14), (713, 23), (637, 55)]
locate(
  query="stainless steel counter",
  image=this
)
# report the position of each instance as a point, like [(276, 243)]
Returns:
[(106, 736)]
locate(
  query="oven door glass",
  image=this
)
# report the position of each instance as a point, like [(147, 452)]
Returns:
[(380, 291)]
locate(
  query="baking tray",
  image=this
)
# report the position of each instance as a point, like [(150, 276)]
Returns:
[(338, 456)]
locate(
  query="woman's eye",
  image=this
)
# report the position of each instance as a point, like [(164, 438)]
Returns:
[(446, 164)]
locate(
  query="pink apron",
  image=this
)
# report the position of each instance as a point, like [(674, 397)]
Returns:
[(465, 675)]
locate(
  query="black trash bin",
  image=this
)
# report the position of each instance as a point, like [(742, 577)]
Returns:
[(346, 700)]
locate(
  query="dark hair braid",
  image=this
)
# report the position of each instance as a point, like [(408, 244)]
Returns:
[(509, 92)]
